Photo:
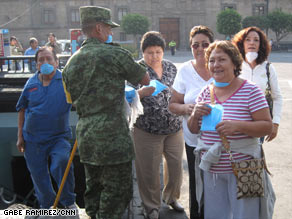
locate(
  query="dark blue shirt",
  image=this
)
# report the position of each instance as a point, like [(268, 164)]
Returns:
[(46, 110)]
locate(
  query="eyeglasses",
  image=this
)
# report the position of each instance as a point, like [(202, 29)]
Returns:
[(204, 45)]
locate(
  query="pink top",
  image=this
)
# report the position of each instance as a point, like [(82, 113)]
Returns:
[(248, 98)]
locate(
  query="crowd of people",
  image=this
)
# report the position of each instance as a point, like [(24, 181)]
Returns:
[(16, 49), (230, 73)]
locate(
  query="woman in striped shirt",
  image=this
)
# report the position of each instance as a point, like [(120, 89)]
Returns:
[(246, 117)]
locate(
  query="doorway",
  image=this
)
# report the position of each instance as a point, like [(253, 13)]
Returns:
[(169, 28)]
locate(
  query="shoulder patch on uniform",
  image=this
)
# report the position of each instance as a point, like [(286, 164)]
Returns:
[(32, 89)]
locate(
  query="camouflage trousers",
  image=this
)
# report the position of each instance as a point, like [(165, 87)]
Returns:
[(108, 190)]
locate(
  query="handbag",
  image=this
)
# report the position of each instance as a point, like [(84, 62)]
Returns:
[(268, 91), (249, 173)]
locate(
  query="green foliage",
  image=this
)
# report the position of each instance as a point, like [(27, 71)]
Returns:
[(228, 22), (135, 24), (132, 49), (258, 21), (280, 22)]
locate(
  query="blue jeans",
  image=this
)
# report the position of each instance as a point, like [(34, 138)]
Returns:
[(37, 156)]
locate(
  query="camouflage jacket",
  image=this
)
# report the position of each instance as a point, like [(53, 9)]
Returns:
[(95, 77)]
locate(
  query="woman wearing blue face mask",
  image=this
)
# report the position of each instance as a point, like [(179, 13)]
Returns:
[(43, 130), (246, 117), (255, 48)]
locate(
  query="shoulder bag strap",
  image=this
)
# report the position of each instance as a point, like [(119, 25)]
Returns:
[(268, 75), (212, 98), (224, 140)]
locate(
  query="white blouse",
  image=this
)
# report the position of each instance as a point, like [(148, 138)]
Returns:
[(189, 83), (258, 76)]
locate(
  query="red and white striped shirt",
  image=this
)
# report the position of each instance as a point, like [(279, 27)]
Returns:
[(248, 98)]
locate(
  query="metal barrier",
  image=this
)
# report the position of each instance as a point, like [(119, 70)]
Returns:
[(23, 64), (9, 197), (6, 201), (14, 72)]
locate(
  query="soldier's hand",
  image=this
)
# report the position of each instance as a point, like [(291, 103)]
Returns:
[(146, 91)]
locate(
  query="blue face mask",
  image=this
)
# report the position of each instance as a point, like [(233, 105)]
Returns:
[(109, 39), (47, 69), (221, 84)]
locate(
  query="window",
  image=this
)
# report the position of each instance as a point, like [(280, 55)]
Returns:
[(228, 6), (121, 13), (74, 18), (49, 16), (259, 10), (123, 36)]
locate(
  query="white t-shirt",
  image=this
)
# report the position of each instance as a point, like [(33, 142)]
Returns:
[(259, 77), (189, 83)]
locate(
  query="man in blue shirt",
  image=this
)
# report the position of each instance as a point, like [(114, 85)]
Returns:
[(33, 42), (43, 130)]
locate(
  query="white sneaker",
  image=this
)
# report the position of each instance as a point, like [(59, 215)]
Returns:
[(177, 206), (73, 206)]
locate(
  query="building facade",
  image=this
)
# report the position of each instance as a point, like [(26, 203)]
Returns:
[(173, 18)]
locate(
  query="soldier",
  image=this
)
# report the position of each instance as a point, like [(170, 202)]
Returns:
[(94, 79)]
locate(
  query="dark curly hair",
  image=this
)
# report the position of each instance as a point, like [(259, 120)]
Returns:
[(203, 30), (264, 49), (230, 49), (152, 38)]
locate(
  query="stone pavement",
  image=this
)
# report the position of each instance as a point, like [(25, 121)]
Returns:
[(135, 210)]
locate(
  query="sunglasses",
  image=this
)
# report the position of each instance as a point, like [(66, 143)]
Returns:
[(204, 45)]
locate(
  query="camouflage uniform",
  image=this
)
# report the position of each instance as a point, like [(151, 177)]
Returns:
[(95, 78)]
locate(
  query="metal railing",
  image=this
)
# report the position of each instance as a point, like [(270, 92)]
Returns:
[(24, 64)]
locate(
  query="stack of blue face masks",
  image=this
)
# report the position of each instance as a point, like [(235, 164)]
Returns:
[(210, 121), (158, 86), (130, 93)]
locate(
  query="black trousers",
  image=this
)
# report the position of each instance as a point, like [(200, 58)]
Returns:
[(193, 204), (172, 49)]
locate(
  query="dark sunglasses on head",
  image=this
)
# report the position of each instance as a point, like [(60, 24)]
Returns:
[(204, 45)]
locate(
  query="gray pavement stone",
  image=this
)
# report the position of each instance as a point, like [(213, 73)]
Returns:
[(136, 208)]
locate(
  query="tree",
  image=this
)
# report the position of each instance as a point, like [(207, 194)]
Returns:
[(135, 24), (280, 23), (228, 22), (258, 21)]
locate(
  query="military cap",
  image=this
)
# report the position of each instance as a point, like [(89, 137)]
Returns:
[(93, 13)]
